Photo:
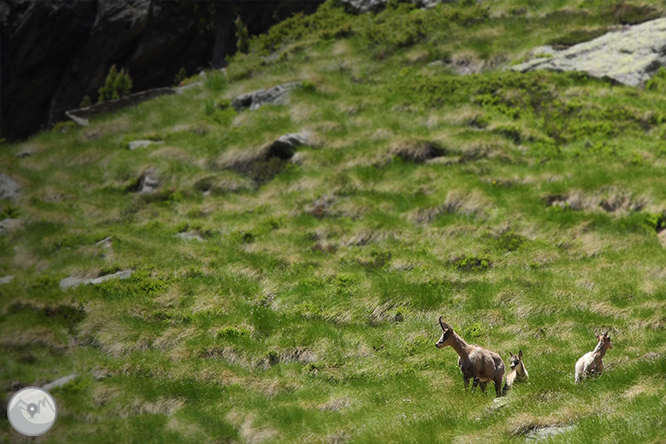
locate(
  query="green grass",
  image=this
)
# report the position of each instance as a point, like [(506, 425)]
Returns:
[(309, 310)]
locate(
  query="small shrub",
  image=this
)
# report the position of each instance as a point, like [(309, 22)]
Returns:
[(656, 221), (180, 77), (658, 81), (232, 333), (244, 237), (10, 212), (209, 107), (576, 36), (510, 241), (474, 331), (63, 127), (181, 227), (215, 80), (308, 86), (117, 85), (472, 263), (624, 13)]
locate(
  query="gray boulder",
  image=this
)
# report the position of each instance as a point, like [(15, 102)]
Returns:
[(9, 225), (148, 184), (6, 279), (141, 144), (274, 96), (629, 56), (72, 282), (9, 189)]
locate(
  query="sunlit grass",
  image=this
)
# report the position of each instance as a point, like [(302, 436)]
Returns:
[(308, 312)]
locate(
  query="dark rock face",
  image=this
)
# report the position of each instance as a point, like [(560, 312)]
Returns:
[(56, 52)]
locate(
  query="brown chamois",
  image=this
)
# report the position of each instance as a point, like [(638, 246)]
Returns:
[(591, 363), (475, 362), (518, 371)]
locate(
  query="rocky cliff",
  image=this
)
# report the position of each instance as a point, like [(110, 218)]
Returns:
[(54, 53)]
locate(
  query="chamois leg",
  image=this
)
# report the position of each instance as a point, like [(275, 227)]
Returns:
[(483, 386), (498, 387), (476, 384), (466, 382)]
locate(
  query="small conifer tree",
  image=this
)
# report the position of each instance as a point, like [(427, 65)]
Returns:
[(117, 85), (242, 36), (85, 102), (180, 77)]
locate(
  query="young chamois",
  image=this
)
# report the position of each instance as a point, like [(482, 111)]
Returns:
[(591, 362), (475, 362), (518, 371)]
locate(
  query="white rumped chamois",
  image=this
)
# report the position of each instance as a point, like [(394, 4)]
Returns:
[(518, 371), (475, 362), (591, 363)]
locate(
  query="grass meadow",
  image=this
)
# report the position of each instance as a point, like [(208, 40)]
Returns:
[(526, 209)]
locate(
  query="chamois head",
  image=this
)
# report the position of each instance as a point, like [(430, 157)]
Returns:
[(516, 359), (447, 335), (604, 339)]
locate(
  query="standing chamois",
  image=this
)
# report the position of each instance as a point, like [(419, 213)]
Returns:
[(591, 362), (518, 371), (475, 362)]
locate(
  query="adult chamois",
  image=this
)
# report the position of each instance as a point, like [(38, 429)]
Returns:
[(518, 371), (475, 362), (591, 363)]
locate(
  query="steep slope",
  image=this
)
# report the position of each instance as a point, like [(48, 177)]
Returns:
[(289, 263)]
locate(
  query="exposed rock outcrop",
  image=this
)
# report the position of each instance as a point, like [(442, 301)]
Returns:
[(9, 188), (82, 116), (629, 56), (271, 96), (71, 282), (264, 163), (141, 144)]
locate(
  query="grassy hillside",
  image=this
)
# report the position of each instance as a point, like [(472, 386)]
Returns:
[(524, 208)]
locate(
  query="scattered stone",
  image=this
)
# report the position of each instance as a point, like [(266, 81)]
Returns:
[(629, 56), (190, 235), (6, 279), (540, 434), (9, 225), (254, 100), (9, 189), (148, 184), (293, 140), (141, 144), (72, 282), (104, 242), (59, 382), (22, 154), (650, 356)]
